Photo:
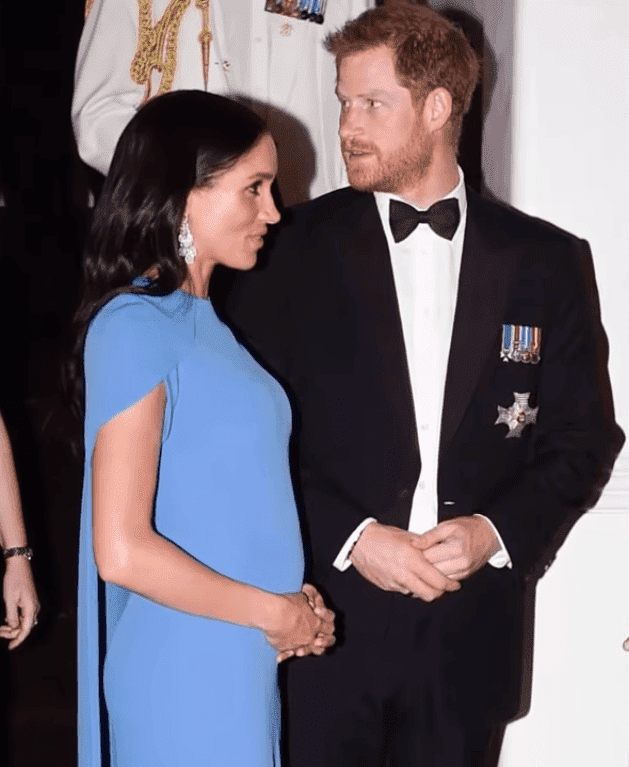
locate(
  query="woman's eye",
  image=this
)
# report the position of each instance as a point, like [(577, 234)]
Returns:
[(255, 188)]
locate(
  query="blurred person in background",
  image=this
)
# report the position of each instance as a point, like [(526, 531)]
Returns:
[(20, 597), (270, 53)]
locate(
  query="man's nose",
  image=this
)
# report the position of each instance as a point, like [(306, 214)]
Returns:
[(350, 124)]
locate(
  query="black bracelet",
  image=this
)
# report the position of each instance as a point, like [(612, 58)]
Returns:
[(19, 551)]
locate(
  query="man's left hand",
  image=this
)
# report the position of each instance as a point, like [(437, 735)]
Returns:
[(459, 547)]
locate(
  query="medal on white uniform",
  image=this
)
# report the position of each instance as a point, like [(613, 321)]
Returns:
[(306, 10)]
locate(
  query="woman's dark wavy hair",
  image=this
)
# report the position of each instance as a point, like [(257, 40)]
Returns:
[(175, 143)]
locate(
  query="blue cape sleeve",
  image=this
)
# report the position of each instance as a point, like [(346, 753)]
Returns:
[(133, 343)]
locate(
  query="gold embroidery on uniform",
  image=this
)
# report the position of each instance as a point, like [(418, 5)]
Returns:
[(157, 45), (205, 37), (88, 7)]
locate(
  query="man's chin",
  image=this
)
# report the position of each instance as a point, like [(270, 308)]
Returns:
[(362, 182)]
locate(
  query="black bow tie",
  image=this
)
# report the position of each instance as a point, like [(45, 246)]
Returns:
[(442, 217)]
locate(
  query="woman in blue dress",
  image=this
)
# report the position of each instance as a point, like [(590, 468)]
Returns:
[(191, 564)]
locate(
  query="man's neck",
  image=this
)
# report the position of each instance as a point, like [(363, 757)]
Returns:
[(440, 179)]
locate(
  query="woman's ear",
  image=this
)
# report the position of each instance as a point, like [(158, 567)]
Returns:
[(189, 204)]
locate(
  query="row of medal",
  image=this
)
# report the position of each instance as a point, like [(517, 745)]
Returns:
[(521, 343), (306, 10)]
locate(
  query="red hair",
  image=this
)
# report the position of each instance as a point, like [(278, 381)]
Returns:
[(429, 52)]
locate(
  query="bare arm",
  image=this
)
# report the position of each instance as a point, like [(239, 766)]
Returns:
[(20, 597), (130, 553)]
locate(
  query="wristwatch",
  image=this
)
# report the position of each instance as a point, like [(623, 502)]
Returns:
[(18, 551)]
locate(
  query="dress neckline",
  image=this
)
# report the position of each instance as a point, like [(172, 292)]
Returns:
[(191, 295)]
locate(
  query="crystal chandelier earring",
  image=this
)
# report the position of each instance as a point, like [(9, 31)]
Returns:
[(187, 251)]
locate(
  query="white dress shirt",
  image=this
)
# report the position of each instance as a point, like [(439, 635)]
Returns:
[(279, 62), (426, 271)]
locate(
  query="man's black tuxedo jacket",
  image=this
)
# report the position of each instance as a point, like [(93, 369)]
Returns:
[(323, 314)]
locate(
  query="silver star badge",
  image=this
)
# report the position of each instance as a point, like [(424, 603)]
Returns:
[(518, 415)]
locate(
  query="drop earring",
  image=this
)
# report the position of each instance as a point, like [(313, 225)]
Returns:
[(187, 251)]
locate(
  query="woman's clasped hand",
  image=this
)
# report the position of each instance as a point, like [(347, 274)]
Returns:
[(304, 625)]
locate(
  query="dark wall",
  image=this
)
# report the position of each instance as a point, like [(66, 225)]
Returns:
[(41, 231), (40, 176)]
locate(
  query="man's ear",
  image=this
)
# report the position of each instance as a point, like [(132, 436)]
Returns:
[(437, 109)]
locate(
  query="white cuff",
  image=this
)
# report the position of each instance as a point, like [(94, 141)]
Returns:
[(501, 558), (342, 561)]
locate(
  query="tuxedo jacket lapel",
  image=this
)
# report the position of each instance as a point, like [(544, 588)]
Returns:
[(487, 269), (484, 283), (369, 272)]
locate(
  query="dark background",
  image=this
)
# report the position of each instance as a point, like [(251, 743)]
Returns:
[(42, 228), (41, 232)]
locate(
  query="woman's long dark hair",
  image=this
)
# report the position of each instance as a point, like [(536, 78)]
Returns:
[(175, 143)]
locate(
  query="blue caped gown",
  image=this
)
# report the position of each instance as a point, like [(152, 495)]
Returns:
[(158, 686)]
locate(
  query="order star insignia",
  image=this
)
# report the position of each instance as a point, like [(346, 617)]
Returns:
[(518, 415)]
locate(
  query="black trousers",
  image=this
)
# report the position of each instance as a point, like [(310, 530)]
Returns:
[(378, 700)]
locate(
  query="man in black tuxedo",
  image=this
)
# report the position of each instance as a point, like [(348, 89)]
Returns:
[(453, 409)]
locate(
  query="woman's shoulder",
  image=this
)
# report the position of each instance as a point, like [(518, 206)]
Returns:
[(139, 314), (142, 307), (138, 329), (133, 343)]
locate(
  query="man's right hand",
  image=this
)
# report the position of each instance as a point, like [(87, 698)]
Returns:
[(385, 556)]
